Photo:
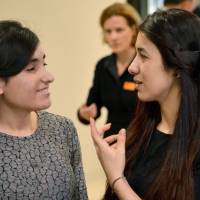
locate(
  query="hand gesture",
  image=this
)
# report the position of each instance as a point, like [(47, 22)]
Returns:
[(110, 151), (88, 111)]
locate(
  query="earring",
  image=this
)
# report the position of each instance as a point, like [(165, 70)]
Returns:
[(177, 75)]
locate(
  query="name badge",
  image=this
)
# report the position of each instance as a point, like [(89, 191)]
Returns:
[(129, 86)]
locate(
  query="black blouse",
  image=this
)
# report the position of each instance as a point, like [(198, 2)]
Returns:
[(116, 93), (148, 165)]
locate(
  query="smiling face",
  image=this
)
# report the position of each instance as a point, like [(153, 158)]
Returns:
[(29, 89), (154, 82), (118, 34)]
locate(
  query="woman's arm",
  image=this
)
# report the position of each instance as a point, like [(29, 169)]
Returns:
[(124, 191), (92, 107), (111, 154)]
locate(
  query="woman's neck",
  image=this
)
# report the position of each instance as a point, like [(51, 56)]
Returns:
[(126, 56), (124, 59), (169, 112), (18, 123)]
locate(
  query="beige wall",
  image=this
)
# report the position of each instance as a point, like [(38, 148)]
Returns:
[(71, 37)]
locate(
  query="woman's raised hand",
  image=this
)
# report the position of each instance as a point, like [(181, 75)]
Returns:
[(110, 150)]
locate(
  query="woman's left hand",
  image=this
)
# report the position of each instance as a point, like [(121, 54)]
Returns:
[(110, 151)]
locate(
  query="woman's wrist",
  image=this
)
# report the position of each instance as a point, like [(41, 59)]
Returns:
[(114, 182), (122, 189)]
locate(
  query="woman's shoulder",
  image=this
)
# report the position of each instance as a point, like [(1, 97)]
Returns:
[(106, 60), (55, 120), (59, 127)]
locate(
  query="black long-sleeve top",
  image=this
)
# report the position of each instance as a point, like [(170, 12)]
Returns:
[(116, 93)]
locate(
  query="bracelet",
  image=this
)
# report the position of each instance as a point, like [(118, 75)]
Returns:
[(113, 183)]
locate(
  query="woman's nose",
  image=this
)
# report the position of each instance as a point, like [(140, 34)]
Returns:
[(48, 77), (133, 67), (51, 77)]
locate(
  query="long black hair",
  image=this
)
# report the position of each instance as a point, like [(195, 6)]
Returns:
[(176, 34)]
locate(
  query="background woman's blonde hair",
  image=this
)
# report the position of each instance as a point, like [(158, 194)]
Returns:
[(121, 9)]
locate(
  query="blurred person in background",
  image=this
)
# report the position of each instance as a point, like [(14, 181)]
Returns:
[(113, 86)]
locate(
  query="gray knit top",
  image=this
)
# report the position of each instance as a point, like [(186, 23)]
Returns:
[(45, 165)]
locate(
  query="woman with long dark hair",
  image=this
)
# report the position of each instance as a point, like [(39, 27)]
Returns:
[(160, 159)]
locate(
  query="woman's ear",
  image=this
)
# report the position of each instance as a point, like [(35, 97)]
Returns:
[(2, 85)]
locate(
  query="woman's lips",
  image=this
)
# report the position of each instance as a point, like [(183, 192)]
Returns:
[(44, 90)]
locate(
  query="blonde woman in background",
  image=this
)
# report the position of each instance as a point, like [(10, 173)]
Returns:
[(113, 86)]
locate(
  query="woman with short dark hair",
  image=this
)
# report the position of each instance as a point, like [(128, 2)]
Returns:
[(40, 155)]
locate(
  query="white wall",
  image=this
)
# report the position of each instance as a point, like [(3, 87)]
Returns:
[(71, 37)]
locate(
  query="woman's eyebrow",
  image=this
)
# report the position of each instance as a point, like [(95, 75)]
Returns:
[(36, 59), (141, 50)]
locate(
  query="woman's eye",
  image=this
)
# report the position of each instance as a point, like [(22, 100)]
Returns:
[(143, 56), (45, 64), (107, 31), (30, 69), (119, 30)]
